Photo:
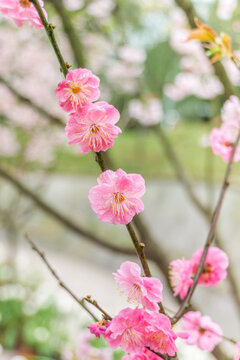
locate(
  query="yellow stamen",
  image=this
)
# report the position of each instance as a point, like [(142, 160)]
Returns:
[(25, 3), (76, 89)]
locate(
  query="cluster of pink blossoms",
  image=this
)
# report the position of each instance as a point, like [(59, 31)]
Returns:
[(137, 330), (22, 11), (91, 125), (182, 271), (222, 139)]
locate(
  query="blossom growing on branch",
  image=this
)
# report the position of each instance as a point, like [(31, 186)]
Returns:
[(78, 89), (180, 274), (127, 330), (159, 335), (22, 11), (141, 290), (99, 328), (215, 266), (202, 331), (222, 141), (93, 127), (116, 198)]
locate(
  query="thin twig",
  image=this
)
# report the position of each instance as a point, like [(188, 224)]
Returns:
[(80, 301), (210, 236), (188, 187)]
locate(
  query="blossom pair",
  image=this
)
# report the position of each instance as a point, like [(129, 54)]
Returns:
[(182, 271), (222, 139), (91, 125), (22, 11)]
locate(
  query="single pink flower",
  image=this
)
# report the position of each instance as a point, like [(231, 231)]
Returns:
[(202, 331), (222, 141), (159, 335), (127, 330), (93, 127), (215, 266), (231, 112), (116, 198), (180, 274), (140, 290), (143, 355), (99, 328), (237, 356), (22, 11), (78, 89)]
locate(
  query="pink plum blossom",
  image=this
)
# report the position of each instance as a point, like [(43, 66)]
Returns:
[(142, 290), (116, 198), (215, 266), (78, 89), (159, 335), (222, 141), (127, 330), (99, 328), (231, 112), (22, 11), (202, 331), (180, 277), (237, 356), (93, 127)]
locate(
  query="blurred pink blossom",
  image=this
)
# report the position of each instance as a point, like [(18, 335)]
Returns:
[(148, 112), (222, 141), (202, 331), (180, 273), (215, 266), (237, 356), (231, 112)]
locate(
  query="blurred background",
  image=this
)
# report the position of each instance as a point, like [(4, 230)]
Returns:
[(169, 98)]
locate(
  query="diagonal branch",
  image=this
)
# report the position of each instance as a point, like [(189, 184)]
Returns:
[(60, 217), (210, 236), (80, 301), (188, 187)]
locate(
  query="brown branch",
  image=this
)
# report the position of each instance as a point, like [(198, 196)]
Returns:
[(188, 187), (65, 221), (210, 236), (68, 28), (80, 301)]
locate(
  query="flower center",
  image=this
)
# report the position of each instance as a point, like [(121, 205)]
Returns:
[(76, 89), (201, 331), (118, 197), (95, 129), (158, 338), (25, 3), (135, 294), (227, 143), (132, 337)]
